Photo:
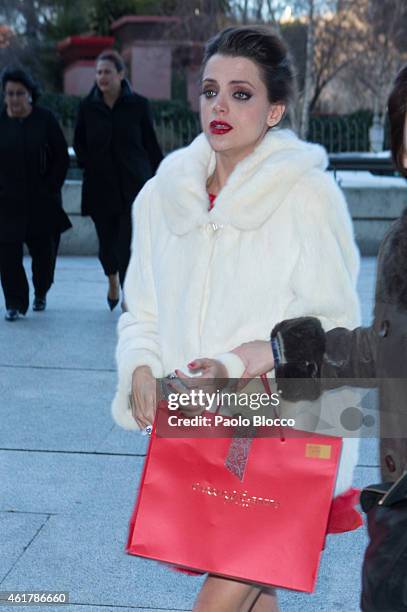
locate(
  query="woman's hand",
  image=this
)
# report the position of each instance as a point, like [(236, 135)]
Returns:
[(144, 396), (257, 357), (209, 368), (212, 372)]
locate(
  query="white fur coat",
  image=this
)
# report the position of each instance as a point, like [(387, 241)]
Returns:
[(278, 244)]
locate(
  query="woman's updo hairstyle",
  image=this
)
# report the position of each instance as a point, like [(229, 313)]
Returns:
[(397, 107), (266, 50), (112, 56), (18, 75)]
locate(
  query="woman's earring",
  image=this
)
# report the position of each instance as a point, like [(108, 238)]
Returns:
[(30, 99)]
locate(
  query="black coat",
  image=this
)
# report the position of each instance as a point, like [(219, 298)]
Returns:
[(33, 164), (375, 355), (118, 149)]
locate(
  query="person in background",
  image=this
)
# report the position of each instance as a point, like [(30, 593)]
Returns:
[(117, 147), (33, 164)]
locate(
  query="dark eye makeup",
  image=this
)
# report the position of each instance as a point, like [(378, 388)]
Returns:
[(208, 92), (241, 95)]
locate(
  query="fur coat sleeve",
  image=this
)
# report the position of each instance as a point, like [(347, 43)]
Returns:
[(324, 278), (138, 342)]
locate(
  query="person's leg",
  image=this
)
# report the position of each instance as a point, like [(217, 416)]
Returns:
[(266, 601), (13, 278), (107, 229), (250, 602), (224, 595), (43, 255), (57, 240), (124, 244)]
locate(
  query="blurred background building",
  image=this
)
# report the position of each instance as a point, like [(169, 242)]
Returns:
[(346, 54)]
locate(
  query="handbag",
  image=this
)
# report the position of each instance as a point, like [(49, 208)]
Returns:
[(384, 575), (265, 523)]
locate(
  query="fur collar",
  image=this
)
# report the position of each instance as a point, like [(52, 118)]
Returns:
[(253, 192), (395, 263)]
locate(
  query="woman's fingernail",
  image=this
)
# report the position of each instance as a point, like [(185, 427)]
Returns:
[(192, 364)]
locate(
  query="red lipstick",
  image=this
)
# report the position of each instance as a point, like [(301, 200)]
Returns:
[(219, 127)]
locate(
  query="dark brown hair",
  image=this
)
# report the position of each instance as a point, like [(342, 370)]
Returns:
[(266, 50), (112, 56), (397, 107), (18, 75)]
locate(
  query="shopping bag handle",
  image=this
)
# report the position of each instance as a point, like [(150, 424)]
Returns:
[(267, 388)]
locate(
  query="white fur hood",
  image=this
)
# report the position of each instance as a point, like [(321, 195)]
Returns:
[(275, 166)]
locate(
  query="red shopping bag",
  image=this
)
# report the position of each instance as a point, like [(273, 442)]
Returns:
[(266, 525)]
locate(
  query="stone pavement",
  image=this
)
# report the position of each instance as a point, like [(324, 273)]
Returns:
[(69, 476)]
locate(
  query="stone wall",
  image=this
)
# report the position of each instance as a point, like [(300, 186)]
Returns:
[(373, 210), (81, 239)]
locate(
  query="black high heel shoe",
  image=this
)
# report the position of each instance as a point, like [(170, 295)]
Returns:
[(112, 303), (114, 287)]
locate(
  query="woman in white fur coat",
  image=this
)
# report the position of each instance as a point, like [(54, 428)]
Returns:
[(236, 232)]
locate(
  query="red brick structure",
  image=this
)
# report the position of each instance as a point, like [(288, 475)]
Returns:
[(153, 49), (78, 55)]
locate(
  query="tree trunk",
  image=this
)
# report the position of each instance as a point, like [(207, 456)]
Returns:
[(309, 72), (272, 17), (259, 10), (245, 12), (31, 21)]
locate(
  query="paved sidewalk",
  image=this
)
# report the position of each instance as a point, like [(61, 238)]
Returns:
[(69, 476)]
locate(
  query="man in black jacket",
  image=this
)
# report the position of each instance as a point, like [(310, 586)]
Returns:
[(116, 145)]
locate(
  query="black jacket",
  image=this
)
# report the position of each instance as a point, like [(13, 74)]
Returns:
[(117, 148), (33, 164), (375, 355)]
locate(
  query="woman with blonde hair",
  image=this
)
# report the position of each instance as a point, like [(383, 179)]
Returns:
[(117, 147)]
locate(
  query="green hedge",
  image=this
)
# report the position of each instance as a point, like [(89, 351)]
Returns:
[(66, 107)]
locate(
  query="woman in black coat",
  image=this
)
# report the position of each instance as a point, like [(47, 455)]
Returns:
[(33, 164), (116, 145)]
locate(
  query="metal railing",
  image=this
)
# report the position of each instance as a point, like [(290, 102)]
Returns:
[(336, 134), (173, 133), (346, 140), (380, 164), (340, 134)]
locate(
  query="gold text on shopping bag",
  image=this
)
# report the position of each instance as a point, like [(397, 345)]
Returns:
[(318, 451), (238, 498)]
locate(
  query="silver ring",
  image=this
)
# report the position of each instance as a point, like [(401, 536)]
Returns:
[(147, 430), (172, 376)]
